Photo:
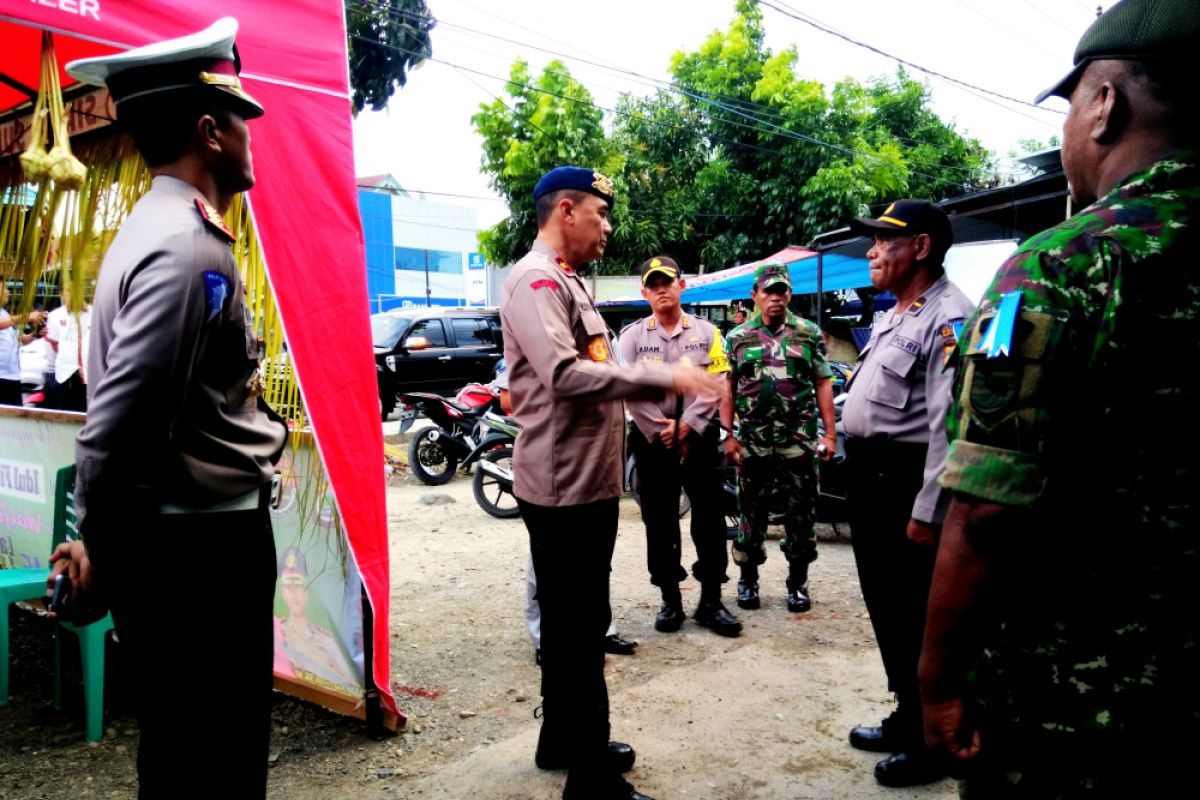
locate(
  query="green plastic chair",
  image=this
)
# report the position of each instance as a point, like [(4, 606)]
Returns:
[(93, 636), (15, 585)]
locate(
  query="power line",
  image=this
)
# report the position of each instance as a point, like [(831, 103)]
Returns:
[(826, 29), (785, 132), (677, 88), (1055, 20)]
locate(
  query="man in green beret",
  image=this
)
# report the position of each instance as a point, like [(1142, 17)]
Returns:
[(1062, 642)]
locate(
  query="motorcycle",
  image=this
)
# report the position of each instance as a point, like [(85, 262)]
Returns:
[(831, 499), (493, 481), (456, 437)]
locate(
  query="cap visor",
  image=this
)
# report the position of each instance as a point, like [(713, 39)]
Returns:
[(670, 273), (248, 107), (1065, 86), (868, 227)]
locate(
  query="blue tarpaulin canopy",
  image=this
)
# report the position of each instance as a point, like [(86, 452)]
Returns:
[(729, 285)]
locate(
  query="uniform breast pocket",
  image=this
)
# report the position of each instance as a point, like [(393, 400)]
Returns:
[(891, 386), (799, 356)]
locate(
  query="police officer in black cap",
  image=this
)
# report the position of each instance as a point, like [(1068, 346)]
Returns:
[(894, 418)]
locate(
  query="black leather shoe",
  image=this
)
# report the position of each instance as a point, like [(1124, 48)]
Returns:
[(617, 646), (621, 757), (909, 769), (618, 790), (670, 618), (797, 598), (718, 618), (748, 595), (875, 739)]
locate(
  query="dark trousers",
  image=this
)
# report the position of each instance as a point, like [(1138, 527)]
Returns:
[(661, 474), (10, 393), (572, 549), (885, 478), (192, 598), (70, 395)]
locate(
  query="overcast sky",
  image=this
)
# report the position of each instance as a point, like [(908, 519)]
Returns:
[(425, 138)]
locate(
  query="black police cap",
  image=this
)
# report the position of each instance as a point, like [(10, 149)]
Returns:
[(909, 218)]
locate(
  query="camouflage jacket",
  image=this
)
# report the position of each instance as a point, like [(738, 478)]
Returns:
[(774, 390), (1083, 425)]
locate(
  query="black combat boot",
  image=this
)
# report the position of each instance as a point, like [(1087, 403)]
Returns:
[(670, 617), (711, 613), (797, 588), (747, 596)]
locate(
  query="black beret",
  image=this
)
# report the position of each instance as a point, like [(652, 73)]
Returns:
[(580, 179), (1136, 30)]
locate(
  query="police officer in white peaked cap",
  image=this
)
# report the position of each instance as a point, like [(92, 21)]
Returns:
[(175, 461)]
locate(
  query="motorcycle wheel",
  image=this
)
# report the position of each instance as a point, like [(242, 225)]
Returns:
[(489, 493), (635, 488), (432, 465)]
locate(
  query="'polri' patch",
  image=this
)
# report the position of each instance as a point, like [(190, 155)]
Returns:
[(910, 346), (544, 283)]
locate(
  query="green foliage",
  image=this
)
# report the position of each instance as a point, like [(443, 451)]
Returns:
[(740, 159), (386, 39), (545, 123)]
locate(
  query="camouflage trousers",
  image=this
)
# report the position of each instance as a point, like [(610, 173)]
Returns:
[(787, 486)]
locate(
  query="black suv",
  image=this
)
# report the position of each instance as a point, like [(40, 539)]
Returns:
[(434, 349)]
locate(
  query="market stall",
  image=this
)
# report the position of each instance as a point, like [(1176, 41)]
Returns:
[(300, 243)]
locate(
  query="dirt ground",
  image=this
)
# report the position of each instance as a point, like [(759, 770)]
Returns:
[(761, 717)]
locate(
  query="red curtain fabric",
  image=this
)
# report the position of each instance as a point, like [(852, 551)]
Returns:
[(305, 209)]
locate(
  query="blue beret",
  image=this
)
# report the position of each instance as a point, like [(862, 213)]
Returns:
[(579, 179)]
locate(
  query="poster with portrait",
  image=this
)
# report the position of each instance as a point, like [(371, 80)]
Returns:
[(318, 597)]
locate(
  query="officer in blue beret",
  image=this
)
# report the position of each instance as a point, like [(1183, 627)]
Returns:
[(567, 389)]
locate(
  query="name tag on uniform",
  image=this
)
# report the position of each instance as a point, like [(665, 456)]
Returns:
[(910, 346)]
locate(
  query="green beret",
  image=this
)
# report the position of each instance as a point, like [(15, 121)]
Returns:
[(1136, 30)]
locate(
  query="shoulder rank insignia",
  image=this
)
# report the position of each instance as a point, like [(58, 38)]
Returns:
[(651, 324), (562, 263), (215, 220)]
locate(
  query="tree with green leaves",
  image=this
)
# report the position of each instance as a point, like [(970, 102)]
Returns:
[(386, 39), (737, 159), (545, 123)]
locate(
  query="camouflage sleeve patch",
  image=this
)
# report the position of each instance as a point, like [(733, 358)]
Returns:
[(999, 419)]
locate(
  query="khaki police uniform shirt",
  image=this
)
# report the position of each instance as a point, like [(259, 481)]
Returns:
[(900, 389), (566, 385), (173, 415), (648, 342)]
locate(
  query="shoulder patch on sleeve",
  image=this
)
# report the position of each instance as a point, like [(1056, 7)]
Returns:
[(544, 283), (215, 221), (717, 360), (950, 333), (216, 292)]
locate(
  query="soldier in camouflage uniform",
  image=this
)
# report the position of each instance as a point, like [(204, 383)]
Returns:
[(1061, 655), (779, 376)]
